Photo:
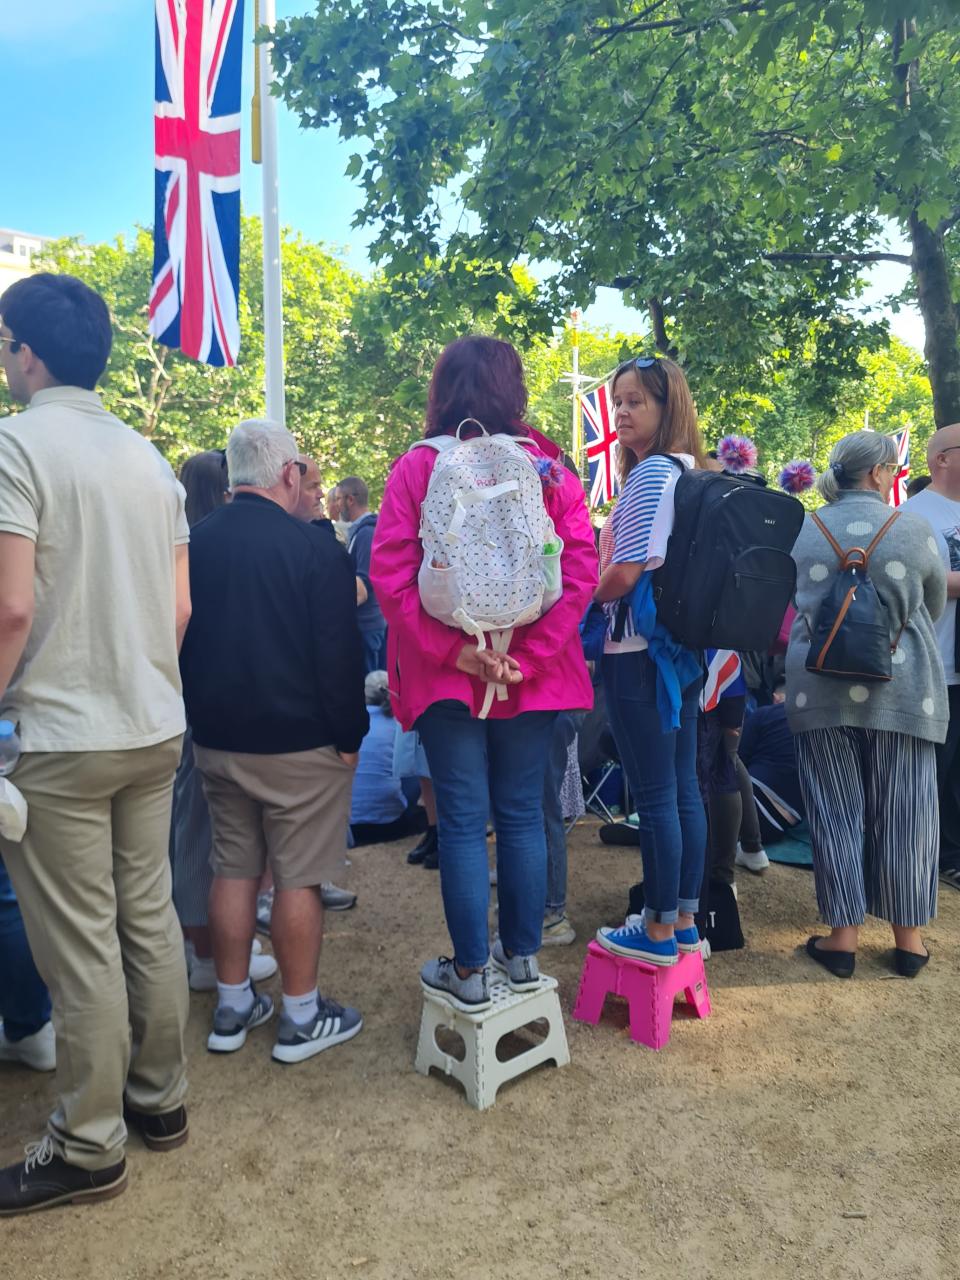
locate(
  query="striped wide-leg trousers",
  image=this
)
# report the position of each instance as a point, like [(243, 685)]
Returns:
[(871, 802)]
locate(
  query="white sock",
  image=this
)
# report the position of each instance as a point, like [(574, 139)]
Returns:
[(301, 1009), (238, 997)]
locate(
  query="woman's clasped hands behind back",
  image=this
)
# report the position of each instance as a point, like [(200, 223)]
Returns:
[(487, 664)]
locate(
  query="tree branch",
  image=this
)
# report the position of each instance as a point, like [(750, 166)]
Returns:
[(682, 26), (949, 222), (839, 257), (659, 326)]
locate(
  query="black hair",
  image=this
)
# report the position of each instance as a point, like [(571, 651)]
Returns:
[(65, 324)]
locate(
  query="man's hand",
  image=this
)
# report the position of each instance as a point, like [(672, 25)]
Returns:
[(349, 757), (486, 664)]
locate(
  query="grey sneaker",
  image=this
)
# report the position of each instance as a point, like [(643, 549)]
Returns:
[(333, 1025), (230, 1028), (264, 910), (471, 994), (523, 972), (335, 899), (557, 931)]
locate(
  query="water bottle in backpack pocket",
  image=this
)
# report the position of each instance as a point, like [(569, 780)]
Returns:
[(850, 638)]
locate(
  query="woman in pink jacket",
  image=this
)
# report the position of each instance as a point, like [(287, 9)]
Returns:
[(439, 679)]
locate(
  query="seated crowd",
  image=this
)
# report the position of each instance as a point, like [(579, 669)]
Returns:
[(222, 683)]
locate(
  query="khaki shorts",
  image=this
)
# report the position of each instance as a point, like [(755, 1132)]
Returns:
[(289, 811)]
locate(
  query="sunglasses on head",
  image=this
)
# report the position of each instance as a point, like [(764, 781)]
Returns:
[(646, 362)]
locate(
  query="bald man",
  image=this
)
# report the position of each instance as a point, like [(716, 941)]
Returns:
[(939, 504), (310, 505)]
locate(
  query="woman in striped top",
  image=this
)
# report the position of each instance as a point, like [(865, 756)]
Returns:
[(654, 415)]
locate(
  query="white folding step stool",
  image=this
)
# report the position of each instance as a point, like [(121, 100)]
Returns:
[(481, 1072)]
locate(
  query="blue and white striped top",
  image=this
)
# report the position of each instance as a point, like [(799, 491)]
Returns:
[(634, 520)]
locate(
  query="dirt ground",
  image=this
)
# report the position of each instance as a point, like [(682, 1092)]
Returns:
[(807, 1129)]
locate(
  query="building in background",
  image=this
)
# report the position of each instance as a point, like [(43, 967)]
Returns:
[(16, 253)]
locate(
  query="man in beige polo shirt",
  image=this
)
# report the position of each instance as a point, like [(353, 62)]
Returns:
[(94, 599)]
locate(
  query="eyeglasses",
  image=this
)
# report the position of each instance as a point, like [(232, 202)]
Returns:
[(948, 449), (301, 466), (14, 343)]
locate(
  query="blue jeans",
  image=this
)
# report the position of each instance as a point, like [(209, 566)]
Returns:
[(374, 651), (476, 766), (24, 1001), (564, 732), (661, 771)]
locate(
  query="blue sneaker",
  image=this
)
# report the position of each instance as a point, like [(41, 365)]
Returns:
[(631, 939), (687, 939)]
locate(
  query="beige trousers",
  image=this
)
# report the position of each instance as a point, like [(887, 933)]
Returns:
[(92, 876)]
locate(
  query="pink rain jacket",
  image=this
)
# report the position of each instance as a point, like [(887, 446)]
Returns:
[(422, 652)]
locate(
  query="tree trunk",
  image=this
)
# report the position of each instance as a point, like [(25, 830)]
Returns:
[(941, 345)]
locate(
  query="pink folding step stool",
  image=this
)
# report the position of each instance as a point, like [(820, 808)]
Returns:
[(649, 990)]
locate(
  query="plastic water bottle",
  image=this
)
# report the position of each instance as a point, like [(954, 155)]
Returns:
[(9, 747)]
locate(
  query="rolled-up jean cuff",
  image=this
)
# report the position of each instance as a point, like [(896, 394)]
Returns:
[(660, 917), (688, 906), (556, 908)]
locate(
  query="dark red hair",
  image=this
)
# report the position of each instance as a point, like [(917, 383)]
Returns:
[(478, 378)]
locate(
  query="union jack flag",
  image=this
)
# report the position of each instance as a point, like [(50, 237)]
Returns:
[(602, 445), (898, 494), (724, 676), (196, 241)]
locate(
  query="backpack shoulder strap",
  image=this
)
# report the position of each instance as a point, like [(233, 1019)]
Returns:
[(873, 545), (840, 553), (670, 458), (439, 444)]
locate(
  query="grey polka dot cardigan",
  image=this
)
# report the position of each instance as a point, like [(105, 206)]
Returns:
[(908, 573)]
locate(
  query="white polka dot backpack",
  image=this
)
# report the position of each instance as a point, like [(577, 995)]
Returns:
[(850, 638), (491, 555)]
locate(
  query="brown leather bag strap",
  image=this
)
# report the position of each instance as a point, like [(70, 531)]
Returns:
[(841, 614), (873, 545), (828, 535)]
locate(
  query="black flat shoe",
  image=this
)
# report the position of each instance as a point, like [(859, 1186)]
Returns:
[(427, 845), (907, 963), (840, 963)]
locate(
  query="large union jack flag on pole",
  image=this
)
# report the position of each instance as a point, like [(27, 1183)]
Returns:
[(602, 444), (898, 494), (196, 254)]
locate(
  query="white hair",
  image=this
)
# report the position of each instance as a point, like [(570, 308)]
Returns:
[(852, 458), (256, 452)]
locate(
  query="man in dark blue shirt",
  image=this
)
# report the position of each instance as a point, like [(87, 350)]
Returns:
[(355, 507), (273, 681)]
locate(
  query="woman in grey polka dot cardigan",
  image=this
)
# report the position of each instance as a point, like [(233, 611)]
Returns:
[(866, 750)]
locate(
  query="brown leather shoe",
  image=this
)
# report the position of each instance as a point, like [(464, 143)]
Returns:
[(45, 1179), (161, 1132)]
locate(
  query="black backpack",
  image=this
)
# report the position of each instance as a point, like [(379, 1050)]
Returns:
[(728, 575), (851, 636)]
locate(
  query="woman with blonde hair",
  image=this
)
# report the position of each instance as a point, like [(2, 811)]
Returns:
[(656, 424)]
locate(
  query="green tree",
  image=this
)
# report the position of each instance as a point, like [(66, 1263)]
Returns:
[(730, 166)]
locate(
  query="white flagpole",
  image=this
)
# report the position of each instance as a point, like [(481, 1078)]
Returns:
[(272, 280)]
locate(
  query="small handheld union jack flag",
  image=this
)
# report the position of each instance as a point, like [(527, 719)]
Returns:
[(196, 248), (602, 445), (898, 494)]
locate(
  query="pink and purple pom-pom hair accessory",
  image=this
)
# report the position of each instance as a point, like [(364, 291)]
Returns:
[(797, 476)]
